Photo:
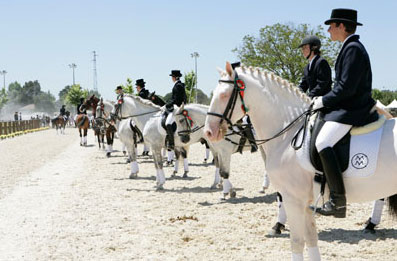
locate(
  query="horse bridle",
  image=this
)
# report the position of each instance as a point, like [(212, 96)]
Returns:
[(238, 90), (120, 102), (189, 123)]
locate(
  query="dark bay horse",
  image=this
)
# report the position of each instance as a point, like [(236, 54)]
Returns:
[(59, 122)]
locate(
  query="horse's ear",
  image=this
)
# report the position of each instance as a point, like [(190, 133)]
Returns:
[(229, 69), (182, 106), (220, 71)]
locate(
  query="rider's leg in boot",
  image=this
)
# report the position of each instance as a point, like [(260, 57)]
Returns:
[(241, 144), (170, 137), (250, 136), (336, 206)]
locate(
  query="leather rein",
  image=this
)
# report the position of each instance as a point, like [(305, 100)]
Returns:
[(238, 91)]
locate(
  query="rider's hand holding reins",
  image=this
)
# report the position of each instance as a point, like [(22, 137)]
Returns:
[(317, 103)]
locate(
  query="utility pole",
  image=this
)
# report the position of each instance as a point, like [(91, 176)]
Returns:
[(73, 66), (195, 55), (4, 72), (95, 74)]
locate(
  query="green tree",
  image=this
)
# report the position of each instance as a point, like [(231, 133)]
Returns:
[(45, 101), (29, 90), (128, 87), (3, 98), (75, 93), (190, 82), (276, 49), (63, 93), (14, 92)]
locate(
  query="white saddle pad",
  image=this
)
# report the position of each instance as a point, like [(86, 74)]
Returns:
[(363, 156)]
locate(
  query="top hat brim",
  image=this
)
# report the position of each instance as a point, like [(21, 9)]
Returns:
[(176, 75), (334, 20)]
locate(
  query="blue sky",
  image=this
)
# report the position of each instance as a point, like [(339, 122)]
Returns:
[(147, 39)]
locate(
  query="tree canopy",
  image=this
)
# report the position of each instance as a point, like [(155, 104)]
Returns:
[(128, 87), (276, 49), (75, 93)]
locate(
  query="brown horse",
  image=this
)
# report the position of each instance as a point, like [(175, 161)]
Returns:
[(104, 127), (59, 123), (83, 122)]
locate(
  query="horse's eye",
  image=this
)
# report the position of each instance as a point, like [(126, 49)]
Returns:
[(181, 121)]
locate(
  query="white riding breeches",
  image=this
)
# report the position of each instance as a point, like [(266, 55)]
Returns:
[(170, 119), (330, 134)]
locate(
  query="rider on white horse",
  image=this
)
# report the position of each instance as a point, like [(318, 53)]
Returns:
[(348, 104), (178, 97)]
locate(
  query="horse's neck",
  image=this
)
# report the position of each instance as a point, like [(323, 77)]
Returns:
[(271, 108), (135, 107), (197, 113)]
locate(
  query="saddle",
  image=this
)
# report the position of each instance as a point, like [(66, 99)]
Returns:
[(163, 119), (357, 151)]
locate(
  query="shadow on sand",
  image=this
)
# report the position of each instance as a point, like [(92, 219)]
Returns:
[(355, 236)]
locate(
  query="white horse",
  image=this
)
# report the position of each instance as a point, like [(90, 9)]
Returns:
[(272, 103), (190, 120), (130, 117)]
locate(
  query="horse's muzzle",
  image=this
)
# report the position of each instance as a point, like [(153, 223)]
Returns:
[(185, 138)]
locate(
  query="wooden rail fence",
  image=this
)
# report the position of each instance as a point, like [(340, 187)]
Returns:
[(9, 127)]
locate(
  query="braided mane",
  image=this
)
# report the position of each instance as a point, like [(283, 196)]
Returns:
[(144, 101), (280, 82)]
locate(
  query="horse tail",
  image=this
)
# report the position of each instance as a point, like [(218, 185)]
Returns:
[(392, 201)]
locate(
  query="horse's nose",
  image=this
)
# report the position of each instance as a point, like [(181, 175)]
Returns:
[(208, 133)]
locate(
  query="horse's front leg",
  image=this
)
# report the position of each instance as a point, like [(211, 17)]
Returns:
[(134, 164), (158, 164), (176, 164), (311, 235), (109, 143), (296, 212), (224, 169), (217, 178), (184, 153)]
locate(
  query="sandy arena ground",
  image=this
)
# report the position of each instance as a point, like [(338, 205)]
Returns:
[(60, 201)]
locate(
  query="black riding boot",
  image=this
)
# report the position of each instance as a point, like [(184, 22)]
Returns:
[(336, 206), (250, 136), (170, 137)]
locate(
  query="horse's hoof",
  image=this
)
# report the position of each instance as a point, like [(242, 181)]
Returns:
[(369, 227), (128, 161), (220, 186), (276, 229), (185, 174), (263, 190), (233, 194), (174, 173), (108, 154), (213, 186), (159, 187), (133, 175), (124, 152)]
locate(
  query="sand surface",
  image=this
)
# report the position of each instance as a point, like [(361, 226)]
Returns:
[(60, 201)]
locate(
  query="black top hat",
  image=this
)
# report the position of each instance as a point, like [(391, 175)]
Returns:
[(119, 88), (343, 15), (140, 83), (176, 73)]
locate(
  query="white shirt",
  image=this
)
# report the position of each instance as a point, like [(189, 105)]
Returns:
[(310, 63)]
